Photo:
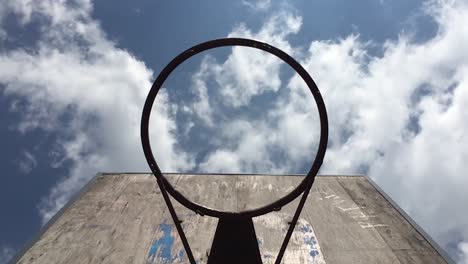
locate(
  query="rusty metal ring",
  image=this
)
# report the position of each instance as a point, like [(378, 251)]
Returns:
[(306, 184)]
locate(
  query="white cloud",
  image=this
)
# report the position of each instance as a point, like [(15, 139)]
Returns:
[(202, 106), (76, 74), (257, 5), (245, 74), (6, 253), (274, 31), (463, 258), (398, 116), (244, 149), (21, 7), (240, 78), (27, 163)]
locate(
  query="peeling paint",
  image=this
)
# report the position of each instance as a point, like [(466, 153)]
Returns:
[(161, 248), (302, 248)]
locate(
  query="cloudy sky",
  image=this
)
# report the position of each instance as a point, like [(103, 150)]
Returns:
[(394, 76)]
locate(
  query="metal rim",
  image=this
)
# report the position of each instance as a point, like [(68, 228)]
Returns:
[(274, 206)]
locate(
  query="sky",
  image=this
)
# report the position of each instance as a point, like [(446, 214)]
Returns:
[(393, 74)]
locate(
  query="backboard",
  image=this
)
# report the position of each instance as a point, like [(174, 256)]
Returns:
[(122, 218)]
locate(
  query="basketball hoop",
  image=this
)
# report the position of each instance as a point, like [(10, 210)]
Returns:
[(235, 229)]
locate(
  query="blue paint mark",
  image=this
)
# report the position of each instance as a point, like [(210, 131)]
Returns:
[(305, 229), (310, 240), (152, 252), (268, 256), (181, 254), (161, 248), (314, 253)]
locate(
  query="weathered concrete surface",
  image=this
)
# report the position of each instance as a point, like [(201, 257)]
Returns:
[(121, 218)]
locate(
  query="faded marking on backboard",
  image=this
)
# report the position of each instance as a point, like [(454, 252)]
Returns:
[(161, 250), (303, 248), (349, 208)]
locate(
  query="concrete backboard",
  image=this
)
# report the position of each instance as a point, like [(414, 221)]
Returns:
[(122, 218)]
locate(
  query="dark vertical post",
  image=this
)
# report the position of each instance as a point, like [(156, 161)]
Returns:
[(235, 242)]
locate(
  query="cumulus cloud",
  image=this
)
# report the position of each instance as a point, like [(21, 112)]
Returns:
[(463, 247), (397, 117), (231, 85), (257, 5), (81, 85), (27, 163), (246, 149), (239, 78), (6, 253)]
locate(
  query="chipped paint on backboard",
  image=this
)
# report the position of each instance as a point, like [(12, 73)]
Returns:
[(161, 250), (302, 248), (348, 207)]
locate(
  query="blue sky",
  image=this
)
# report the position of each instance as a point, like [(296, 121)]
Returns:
[(74, 76)]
